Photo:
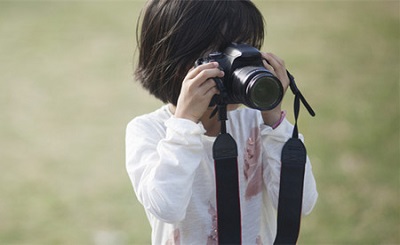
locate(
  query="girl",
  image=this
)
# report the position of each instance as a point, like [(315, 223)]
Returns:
[(169, 151)]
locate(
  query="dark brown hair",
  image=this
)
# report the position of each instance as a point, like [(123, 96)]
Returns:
[(175, 33)]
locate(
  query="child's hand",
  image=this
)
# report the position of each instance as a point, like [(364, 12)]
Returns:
[(277, 67), (197, 90)]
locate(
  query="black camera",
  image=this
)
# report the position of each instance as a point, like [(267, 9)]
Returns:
[(246, 80)]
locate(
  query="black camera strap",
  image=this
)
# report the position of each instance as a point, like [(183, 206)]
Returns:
[(227, 183), (227, 178), (293, 158)]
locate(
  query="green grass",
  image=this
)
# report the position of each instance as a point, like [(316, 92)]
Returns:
[(66, 95)]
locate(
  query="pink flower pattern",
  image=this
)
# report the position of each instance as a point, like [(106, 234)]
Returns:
[(174, 238), (252, 164), (259, 240), (213, 237)]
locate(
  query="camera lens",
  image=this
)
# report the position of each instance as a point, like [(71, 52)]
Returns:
[(264, 92), (256, 87)]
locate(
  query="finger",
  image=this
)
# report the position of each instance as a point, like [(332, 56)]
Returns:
[(205, 75), (279, 69), (277, 58), (195, 71), (272, 61), (207, 86), (277, 63), (211, 92), (268, 66)]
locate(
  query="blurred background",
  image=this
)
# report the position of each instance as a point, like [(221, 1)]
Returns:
[(67, 93)]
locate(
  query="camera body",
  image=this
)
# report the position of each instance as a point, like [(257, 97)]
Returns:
[(246, 80)]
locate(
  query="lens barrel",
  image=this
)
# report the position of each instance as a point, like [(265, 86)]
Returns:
[(256, 87)]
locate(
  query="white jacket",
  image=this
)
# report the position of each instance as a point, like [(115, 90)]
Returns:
[(170, 164)]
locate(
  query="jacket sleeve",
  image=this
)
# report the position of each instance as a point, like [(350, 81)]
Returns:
[(161, 161), (272, 143)]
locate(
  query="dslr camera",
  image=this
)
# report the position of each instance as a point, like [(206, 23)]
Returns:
[(246, 80)]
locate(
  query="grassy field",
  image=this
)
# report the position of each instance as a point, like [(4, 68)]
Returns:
[(66, 95)]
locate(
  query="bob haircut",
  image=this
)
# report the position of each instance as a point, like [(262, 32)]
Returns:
[(175, 33)]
